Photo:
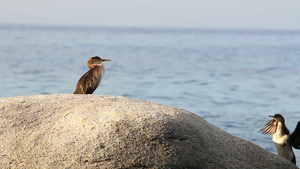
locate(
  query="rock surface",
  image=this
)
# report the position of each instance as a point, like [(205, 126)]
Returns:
[(90, 131)]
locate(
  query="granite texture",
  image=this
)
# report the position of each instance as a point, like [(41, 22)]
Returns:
[(91, 131)]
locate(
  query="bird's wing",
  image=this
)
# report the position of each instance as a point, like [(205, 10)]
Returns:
[(270, 127), (81, 87), (93, 79), (295, 137)]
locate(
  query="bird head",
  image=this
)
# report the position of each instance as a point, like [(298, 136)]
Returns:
[(95, 61), (278, 117)]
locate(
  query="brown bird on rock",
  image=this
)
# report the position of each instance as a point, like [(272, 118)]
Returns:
[(89, 82), (283, 140)]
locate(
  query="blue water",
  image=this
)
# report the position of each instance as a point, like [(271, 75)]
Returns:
[(232, 78)]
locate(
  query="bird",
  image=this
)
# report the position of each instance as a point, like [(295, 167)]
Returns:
[(283, 140), (89, 82)]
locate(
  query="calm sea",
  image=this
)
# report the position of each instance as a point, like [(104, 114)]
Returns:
[(232, 78)]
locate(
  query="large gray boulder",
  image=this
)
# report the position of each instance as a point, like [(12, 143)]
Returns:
[(90, 131)]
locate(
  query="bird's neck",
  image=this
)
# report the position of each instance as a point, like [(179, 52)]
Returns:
[(98, 69), (92, 66), (281, 135), (280, 129)]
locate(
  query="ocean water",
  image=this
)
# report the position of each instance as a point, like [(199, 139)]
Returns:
[(232, 78)]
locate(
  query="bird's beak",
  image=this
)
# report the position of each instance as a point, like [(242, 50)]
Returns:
[(103, 60), (271, 116)]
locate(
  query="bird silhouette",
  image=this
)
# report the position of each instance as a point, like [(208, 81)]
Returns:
[(89, 82), (283, 140)]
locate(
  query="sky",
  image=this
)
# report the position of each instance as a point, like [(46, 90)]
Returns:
[(205, 14)]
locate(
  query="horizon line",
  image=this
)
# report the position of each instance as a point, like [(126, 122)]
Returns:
[(143, 28)]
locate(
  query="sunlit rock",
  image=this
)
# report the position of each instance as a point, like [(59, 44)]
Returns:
[(90, 131)]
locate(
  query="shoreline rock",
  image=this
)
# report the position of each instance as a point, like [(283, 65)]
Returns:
[(91, 131)]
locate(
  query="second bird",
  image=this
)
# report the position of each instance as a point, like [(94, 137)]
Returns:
[(89, 82), (283, 140)]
